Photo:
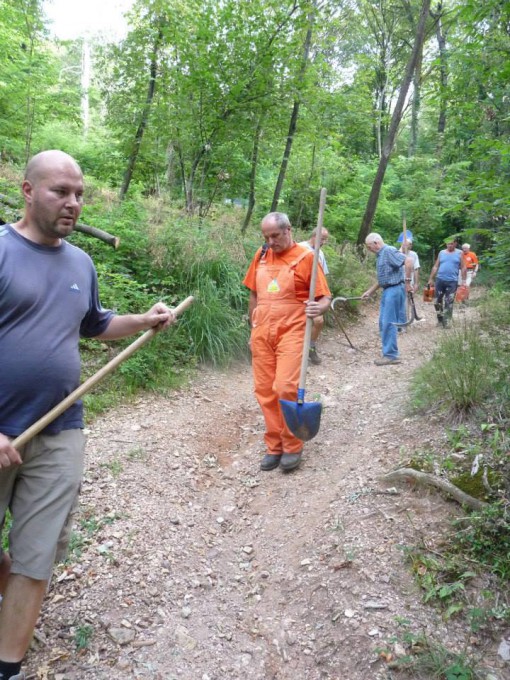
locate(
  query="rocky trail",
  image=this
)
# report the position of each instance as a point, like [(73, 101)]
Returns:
[(192, 564)]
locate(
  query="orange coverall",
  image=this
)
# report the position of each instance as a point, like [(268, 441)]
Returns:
[(281, 283)]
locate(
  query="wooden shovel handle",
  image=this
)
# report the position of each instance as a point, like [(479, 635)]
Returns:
[(86, 386), (311, 297)]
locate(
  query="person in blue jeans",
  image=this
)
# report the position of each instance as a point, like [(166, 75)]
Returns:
[(394, 276), (450, 268)]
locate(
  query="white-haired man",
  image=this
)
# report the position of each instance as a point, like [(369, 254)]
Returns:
[(394, 276), (472, 264)]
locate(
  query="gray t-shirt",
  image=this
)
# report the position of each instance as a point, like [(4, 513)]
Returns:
[(48, 299)]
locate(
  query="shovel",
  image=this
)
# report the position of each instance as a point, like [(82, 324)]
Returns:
[(86, 386), (304, 420)]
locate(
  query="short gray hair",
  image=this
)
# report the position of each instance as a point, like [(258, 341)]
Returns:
[(466, 245), (374, 237), (281, 219), (323, 231)]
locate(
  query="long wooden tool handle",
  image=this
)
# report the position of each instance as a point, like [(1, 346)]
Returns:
[(311, 297), (86, 386)]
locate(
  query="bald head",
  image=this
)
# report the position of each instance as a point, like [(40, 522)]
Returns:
[(53, 193), (45, 162)]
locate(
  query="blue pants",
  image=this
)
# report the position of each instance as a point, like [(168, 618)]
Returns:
[(393, 302)]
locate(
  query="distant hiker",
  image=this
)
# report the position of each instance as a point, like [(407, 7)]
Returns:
[(318, 322), (279, 280), (415, 276), (394, 274), (450, 268), (49, 300), (472, 264)]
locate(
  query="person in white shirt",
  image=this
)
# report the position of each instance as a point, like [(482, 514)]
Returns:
[(416, 260)]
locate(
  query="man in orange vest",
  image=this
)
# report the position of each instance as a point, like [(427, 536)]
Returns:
[(279, 279), (472, 264)]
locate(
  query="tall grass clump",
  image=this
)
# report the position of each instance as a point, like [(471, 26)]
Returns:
[(460, 374), (209, 263)]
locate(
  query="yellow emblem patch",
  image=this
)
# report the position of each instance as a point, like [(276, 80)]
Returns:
[(273, 287)]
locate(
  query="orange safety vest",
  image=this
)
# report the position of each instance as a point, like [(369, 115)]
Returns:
[(278, 325)]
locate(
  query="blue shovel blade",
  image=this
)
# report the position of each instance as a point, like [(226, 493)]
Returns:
[(303, 420)]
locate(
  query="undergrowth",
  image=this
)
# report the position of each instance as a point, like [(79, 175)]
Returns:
[(467, 573)]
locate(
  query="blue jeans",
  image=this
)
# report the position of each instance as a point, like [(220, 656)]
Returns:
[(393, 302)]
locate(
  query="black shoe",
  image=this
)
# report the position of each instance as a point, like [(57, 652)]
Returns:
[(290, 461), (313, 356), (270, 461)]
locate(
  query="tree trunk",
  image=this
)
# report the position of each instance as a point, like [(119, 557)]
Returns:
[(306, 191), (253, 174), (286, 155), (190, 181), (415, 107), (443, 68), (293, 120), (128, 175), (395, 121)]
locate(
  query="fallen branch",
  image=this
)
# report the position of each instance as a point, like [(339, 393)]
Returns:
[(426, 479), (83, 228), (98, 233)]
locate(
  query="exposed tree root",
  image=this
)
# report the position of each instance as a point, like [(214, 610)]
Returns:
[(426, 479)]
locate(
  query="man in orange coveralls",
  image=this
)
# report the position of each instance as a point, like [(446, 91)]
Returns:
[(279, 279)]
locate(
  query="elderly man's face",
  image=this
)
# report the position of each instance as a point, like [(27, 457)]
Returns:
[(277, 239), (451, 246), (324, 237)]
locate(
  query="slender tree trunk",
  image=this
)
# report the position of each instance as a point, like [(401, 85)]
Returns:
[(307, 190), (293, 120), (170, 165), (393, 129), (415, 107), (190, 181), (286, 155), (443, 67), (253, 174), (30, 22), (128, 175)]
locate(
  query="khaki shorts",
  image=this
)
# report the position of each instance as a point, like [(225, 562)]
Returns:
[(41, 494)]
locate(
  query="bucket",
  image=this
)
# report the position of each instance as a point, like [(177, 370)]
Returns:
[(462, 294), (428, 294)]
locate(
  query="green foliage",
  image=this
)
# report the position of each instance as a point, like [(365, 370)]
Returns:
[(486, 538), (5, 531), (82, 636), (453, 379), (427, 658), (443, 580), (215, 326), (348, 276)]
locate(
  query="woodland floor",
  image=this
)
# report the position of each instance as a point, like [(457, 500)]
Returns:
[(195, 565)]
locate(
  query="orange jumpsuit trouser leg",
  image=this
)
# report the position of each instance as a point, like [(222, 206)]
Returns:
[(276, 350)]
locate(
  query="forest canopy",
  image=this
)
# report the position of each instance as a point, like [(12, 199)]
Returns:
[(259, 104)]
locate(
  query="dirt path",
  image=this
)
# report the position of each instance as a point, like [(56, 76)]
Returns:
[(194, 565)]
